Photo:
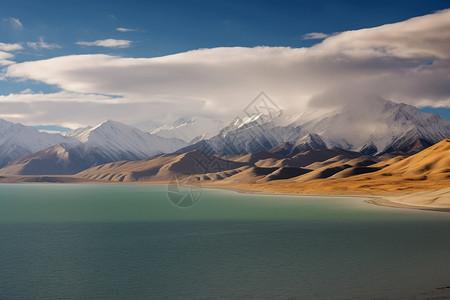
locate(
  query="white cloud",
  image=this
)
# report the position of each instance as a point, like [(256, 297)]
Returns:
[(27, 91), (315, 36), (417, 38), (121, 29), (77, 110), (27, 96), (108, 43), (407, 61), (13, 117), (5, 58), (42, 45), (15, 22), (10, 47)]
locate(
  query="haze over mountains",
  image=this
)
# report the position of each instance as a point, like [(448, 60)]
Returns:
[(365, 128), (372, 126), (190, 130)]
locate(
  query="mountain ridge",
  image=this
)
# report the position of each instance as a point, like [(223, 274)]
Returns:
[(108, 141), (373, 126)]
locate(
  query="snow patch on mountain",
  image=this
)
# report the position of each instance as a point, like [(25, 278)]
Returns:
[(372, 125), (376, 124), (118, 141), (190, 130)]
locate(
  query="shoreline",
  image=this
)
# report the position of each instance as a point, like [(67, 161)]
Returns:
[(371, 199), (379, 200), (375, 200)]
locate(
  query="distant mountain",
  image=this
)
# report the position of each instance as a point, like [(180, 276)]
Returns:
[(190, 129), (107, 142), (371, 126), (306, 143), (17, 140), (116, 141), (375, 125), (61, 159)]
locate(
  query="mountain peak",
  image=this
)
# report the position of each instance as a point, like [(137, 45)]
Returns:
[(111, 123), (191, 129), (370, 124)]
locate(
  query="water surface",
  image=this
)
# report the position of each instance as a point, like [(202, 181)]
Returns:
[(130, 242)]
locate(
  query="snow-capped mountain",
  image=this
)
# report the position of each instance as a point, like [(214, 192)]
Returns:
[(17, 140), (86, 147), (190, 130), (75, 132), (117, 141), (375, 125), (147, 126), (372, 125)]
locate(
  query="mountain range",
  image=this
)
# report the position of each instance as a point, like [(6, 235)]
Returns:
[(372, 125), (80, 149), (367, 128)]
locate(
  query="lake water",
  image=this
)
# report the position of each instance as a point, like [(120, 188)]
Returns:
[(62, 241)]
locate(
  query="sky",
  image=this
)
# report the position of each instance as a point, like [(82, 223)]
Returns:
[(77, 63)]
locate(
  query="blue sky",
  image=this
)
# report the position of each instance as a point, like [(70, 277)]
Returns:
[(168, 27), (158, 28)]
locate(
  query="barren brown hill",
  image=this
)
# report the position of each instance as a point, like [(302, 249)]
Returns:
[(56, 160), (161, 168), (428, 170), (315, 156), (262, 159), (251, 168), (433, 162)]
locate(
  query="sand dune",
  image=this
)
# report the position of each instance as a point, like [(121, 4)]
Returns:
[(353, 171), (286, 173), (433, 161), (323, 172)]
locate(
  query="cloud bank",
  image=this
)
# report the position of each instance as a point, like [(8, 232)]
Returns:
[(407, 62)]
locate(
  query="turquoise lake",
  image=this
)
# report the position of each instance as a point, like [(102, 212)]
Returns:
[(62, 241)]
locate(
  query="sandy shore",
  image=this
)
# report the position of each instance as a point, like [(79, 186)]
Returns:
[(437, 200), (389, 203)]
